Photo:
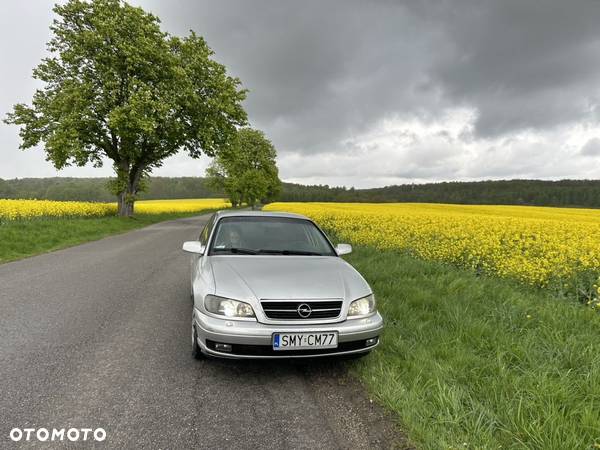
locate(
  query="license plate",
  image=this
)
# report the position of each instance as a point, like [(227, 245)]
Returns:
[(300, 341)]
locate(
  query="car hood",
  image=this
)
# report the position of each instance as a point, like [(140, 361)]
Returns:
[(286, 277)]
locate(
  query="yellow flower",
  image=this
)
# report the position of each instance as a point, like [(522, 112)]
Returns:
[(535, 245), (30, 209), (182, 205)]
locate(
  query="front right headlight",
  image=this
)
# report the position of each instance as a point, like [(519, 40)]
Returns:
[(362, 306), (227, 307)]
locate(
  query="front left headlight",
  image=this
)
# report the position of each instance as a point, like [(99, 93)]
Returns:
[(362, 306), (227, 307)]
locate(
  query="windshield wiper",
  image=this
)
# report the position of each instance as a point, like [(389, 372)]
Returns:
[(237, 250), (290, 252)]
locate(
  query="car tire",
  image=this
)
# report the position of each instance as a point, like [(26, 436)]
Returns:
[(196, 350)]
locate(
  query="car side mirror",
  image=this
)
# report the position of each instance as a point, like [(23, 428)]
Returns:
[(343, 249), (193, 247)]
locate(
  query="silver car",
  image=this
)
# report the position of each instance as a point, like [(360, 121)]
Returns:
[(271, 285)]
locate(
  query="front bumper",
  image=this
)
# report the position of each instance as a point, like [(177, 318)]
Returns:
[(250, 339)]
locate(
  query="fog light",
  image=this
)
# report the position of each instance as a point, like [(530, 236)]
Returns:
[(222, 347), (371, 341)]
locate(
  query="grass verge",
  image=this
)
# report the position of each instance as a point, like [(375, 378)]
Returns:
[(23, 238), (479, 362)]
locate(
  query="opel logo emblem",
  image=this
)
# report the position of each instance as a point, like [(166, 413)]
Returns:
[(304, 310)]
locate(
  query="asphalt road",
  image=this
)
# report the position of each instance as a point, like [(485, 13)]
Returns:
[(98, 335)]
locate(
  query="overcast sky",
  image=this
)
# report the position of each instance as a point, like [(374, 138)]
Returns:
[(372, 93)]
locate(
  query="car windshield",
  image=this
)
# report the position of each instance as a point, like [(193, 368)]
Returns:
[(268, 235)]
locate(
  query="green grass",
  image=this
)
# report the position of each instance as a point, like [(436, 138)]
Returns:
[(23, 238), (478, 362)]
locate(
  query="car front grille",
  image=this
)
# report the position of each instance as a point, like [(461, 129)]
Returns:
[(301, 310)]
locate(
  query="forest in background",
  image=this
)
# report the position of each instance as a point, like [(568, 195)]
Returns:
[(584, 193)]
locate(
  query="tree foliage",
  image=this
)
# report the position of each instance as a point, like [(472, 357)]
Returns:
[(246, 170), (116, 87)]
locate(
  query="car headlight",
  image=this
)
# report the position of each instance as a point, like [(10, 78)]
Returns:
[(362, 306), (227, 307)]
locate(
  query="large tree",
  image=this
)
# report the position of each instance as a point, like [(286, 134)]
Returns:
[(116, 87), (246, 169)]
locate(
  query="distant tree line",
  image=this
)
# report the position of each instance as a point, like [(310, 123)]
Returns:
[(98, 189), (584, 193)]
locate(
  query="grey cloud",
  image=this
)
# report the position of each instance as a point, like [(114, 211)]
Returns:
[(522, 64), (591, 147), (319, 71)]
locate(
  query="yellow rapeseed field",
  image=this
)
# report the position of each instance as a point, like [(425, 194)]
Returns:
[(179, 205), (533, 244), (31, 209)]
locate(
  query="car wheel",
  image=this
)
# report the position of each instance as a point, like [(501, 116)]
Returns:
[(196, 350)]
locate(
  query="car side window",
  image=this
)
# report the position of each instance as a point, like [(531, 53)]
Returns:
[(206, 231)]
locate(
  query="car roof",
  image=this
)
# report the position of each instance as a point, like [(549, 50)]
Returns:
[(248, 213)]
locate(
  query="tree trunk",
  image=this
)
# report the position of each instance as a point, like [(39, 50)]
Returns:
[(125, 205), (130, 182)]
